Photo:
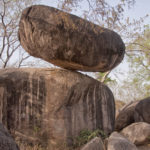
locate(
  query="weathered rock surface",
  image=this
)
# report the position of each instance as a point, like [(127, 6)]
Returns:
[(143, 147), (68, 41), (125, 116), (94, 144), (119, 105), (6, 141), (118, 142), (138, 133), (53, 106), (142, 111)]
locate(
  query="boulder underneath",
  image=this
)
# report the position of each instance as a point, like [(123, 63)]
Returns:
[(51, 106), (68, 41)]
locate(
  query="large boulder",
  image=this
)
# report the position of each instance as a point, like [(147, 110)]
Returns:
[(126, 116), (118, 142), (94, 144), (6, 141), (52, 106), (68, 41), (138, 133), (142, 111)]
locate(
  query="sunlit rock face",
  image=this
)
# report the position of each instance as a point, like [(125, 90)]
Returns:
[(51, 106), (68, 41), (138, 133)]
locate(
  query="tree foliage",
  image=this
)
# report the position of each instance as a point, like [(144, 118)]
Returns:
[(139, 58), (139, 49), (137, 84)]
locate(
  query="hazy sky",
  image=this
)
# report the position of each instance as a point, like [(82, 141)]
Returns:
[(141, 8)]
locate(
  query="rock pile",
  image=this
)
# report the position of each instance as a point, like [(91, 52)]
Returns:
[(51, 106), (133, 122), (132, 128)]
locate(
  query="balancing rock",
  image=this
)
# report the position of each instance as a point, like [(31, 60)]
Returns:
[(68, 41)]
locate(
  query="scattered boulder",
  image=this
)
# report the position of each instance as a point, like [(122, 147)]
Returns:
[(118, 142), (68, 41), (142, 111), (138, 133), (51, 106), (125, 116), (6, 141), (94, 144)]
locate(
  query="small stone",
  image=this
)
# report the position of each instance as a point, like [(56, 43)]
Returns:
[(94, 144)]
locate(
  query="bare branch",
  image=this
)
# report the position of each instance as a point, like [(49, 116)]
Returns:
[(4, 9), (9, 18), (22, 60), (90, 6), (136, 50)]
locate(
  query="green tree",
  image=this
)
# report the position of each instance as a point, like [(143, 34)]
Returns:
[(139, 58), (137, 84)]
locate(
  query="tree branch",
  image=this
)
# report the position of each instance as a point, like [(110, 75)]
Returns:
[(23, 59), (134, 43), (105, 76)]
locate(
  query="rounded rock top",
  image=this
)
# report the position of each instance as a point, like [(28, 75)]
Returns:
[(68, 41)]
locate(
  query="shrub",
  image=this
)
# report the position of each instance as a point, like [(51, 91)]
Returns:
[(86, 135)]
